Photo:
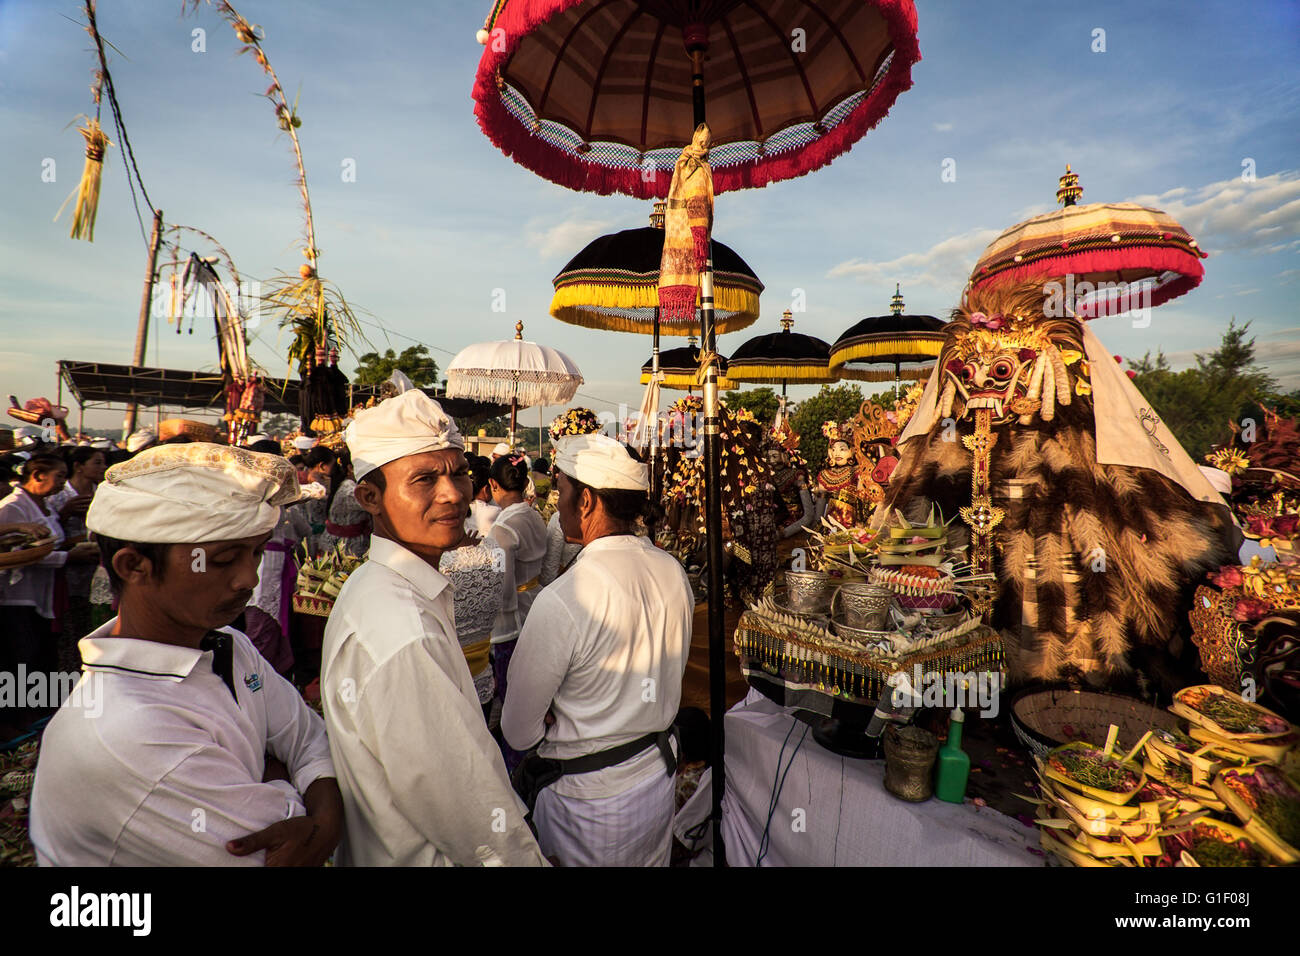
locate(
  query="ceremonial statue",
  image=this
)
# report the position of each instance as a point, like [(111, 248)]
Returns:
[(1094, 519), (838, 481), (790, 478)]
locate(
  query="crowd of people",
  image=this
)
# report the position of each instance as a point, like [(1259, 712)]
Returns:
[(491, 688)]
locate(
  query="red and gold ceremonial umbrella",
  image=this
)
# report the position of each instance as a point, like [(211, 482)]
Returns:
[(601, 95), (1113, 256)]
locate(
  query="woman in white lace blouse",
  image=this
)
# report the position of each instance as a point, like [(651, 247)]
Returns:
[(477, 572)]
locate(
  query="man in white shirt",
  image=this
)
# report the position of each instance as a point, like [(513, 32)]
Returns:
[(180, 745), (596, 676), (423, 781)]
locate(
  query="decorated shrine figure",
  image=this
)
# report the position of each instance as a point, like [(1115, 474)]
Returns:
[(838, 481), (748, 497), (1072, 490), (795, 507)]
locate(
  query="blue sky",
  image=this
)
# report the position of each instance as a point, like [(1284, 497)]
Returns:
[(437, 218)]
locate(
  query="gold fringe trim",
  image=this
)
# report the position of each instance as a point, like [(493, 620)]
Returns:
[(686, 382), (870, 350), (884, 375), (776, 374), (583, 303)]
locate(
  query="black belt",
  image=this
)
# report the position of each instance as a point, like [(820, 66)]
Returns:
[(534, 773)]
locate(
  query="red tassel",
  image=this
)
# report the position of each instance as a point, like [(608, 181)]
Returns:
[(701, 236), (677, 303), (1101, 261)]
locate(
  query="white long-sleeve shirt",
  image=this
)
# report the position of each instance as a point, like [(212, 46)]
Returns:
[(423, 781), (31, 585), (521, 533), (151, 761), (604, 649)]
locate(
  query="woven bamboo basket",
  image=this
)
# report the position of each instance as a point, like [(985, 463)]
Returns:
[(1046, 717)]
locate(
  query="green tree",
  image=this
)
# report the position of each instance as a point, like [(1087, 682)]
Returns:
[(415, 362), (763, 402), (831, 403)]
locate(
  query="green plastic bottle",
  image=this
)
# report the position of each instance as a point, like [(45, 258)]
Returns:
[(953, 767)]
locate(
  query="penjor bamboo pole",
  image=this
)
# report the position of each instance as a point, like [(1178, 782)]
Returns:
[(142, 328)]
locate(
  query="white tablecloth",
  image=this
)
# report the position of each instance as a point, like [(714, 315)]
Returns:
[(835, 811)]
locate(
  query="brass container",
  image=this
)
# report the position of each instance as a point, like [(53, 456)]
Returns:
[(909, 762)]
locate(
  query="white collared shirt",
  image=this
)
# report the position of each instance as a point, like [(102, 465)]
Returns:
[(33, 584), (604, 650), (423, 781), (151, 761)]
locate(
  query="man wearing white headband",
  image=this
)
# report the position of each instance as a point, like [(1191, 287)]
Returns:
[(596, 678), (198, 753), (423, 781)]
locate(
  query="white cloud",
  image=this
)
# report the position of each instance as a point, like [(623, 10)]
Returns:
[(1232, 214), (565, 238), (945, 265), (943, 127)]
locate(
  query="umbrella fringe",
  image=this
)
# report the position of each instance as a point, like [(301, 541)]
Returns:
[(580, 303), (527, 388), (808, 374), (687, 382), (1158, 260), (901, 346)]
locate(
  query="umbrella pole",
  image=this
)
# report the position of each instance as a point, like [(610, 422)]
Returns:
[(654, 434), (713, 515), (514, 415)]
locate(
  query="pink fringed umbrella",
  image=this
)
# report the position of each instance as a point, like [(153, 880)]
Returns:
[(1129, 256), (598, 95)]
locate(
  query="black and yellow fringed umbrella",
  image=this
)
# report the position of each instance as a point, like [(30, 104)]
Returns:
[(679, 368), (613, 284), (783, 357), (895, 340)]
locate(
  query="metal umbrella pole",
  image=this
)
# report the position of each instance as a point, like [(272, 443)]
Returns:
[(712, 512)]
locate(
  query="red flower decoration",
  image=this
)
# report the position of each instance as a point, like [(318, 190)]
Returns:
[(1248, 610), (1285, 524), (1227, 577)]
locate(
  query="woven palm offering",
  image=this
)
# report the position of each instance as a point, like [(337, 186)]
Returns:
[(916, 563), (321, 579), (1186, 796)]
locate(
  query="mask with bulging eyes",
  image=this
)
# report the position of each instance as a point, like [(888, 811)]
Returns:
[(994, 378)]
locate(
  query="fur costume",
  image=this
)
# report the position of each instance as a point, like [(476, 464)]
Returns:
[(1092, 559)]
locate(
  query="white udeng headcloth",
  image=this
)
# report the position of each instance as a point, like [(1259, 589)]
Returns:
[(407, 424), (192, 492), (599, 461)]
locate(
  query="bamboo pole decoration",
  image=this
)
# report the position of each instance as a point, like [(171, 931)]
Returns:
[(319, 317)]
